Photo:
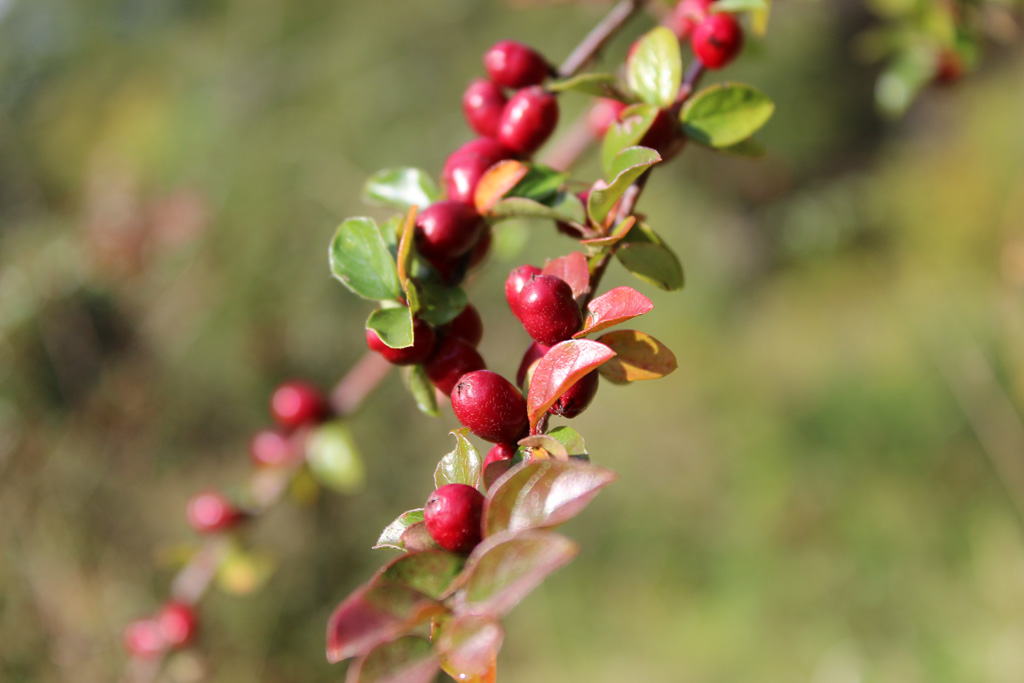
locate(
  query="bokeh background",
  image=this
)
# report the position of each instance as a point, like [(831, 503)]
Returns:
[(829, 489)]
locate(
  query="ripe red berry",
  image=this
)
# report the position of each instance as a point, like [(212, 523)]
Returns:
[(453, 358), (548, 310), (949, 67), (423, 342), (480, 251), (482, 104), (717, 40), (295, 403), (686, 16), (532, 355), (528, 120), (210, 512), (514, 284), (447, 229), (499, 452), (270, 448), (452, 516), (515, 65), (142, 638), (467, 326), (661, 134), (177, 623), (577, 397), (603, 114), (490, 406), (465, 166)]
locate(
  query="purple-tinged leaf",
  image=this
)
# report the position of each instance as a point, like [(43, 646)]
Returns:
[(417, 537), (428, 571), (614, 307), (561, 367), (494, 471), (391, 537), (542, 493), (640, 356), (462, 465), (573, 269), (468, 645), (373, 615), (409, 659)]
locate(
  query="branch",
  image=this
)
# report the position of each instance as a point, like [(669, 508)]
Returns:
[(599, 36)]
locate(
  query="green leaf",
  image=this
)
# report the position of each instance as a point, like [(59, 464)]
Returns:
[(751, 148), (462, 465), (392, 325), (654, 70), (725, 114), (597, 84), (540, 183), (468, 645), (428, 571), (361, 261), (391, 537), (520, 207), (333, 458), (409, 659), (422, 391), (628, 165), (401, 188), (734, 6), (571, 440), (375, 614), (439, 304), (644, 254), (628, 131)]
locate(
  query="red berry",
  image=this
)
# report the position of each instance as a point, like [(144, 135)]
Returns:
[(603, 114), (296, 403), (269, 448), (515, 65), (717, 40), (177, 623), (528, 120), (465, 166), (577, 397), (482, 104), (514, 284), (661, 134), (423, 342), (467, 326), (142, 638), (210, 512), (490, 406), (483, 246), (949, 68), (452, 516), (548, 310), (499, 452), (453, 358), (532, 355), (686, 16), (447, 229)]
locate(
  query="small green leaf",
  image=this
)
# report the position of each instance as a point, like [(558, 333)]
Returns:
[(655, 67), (428, 571), (520, 207), (725, 114), (375, 614), (391, 537), (392, 325), (417, 537), (644, 254), (597, 84), (628, 131), (439, 304), (555, 448), (462, 465), (333, 458), (539, 184), (751, 148), (628, 165), (409, 659), (571, 439), (401, 188), (361, 261), (734, 6), (422, 391)]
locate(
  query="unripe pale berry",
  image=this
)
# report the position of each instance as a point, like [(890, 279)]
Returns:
[(453, 358), (210, 512), (717, 40), (577, 397), (528, 120), (498, 453), (603, 114), (490, 406), (548, 311), (532, 355), (177, 622), (514, 65), (686, 16), (295, 404), (423, 342), (142, 638), (447, 229), (452, 517), (467, 326), (519, 276), (270, 448), (482, 104), (465, 166)]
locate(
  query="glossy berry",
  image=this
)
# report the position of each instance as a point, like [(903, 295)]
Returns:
[(528, 120), (532, 355), (661, 134), (482, 104), (142, 638), (453, 358), (498, 453), (447, 229), (482, 248), (717, 40), (210, 512), (270, 448), (490, 406), (423, 342), (295, 404), (465, 166), (468, 326), (177, 623), (548, 310), (686, 16), (514, 65), (577, 397), (515, 282), (603, 114), (452, 517)]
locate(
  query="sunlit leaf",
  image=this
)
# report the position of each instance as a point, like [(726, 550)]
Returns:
[(361, 261), (572, 268), (462, 465), (439, 304), (613, 307), (428, 571), (416, 537), (644, 254), (639, 357), (409, 659), (630, 128), (724, 114), (401, 188), (422, 391), (376, 614), (333, 457), (654, 69), (597, 84), (404, 257), (391, 537), (392, 325), (468, 645), (520, 207), (615, 236), (243, 571), (552, 446), (628, 165), (570, 439), (561, 367), (496, 182), (739, 5)]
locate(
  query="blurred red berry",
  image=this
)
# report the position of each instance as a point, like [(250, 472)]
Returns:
[(210, 512), (515, 65), (177, 622), (296, 403)]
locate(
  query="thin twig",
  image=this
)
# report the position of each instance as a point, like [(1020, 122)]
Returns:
[(588, 48)]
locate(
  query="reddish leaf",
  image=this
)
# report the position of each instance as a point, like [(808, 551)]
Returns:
[(620, 231), (468, 645), (409, 659), (560, 368), (496, 182), (640, 356), (542, 493), (373, 615), (573, 269), (614, 307), (391, 537), (428, 571), (494, 471), (416, 537), (405, 248)]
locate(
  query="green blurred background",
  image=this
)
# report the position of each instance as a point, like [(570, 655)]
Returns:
[(829, 489)]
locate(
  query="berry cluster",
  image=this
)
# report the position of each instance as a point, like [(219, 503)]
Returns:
[(716, 37), (173, 627)]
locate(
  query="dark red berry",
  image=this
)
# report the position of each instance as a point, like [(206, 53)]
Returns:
[(269, 448), (296, 403), (514, 284), (142, 638), (686, 16), (452, 516), (548, 310), (949, 68), (177, 622), (453, 358), (483, 246), (210, 512), (467, 326), (423, 342), (499, 452), (528, 120), (532, 355), (447, 229), (577, 397), (603, 114), (482, 104), (514, 65), (490, 406), (717, 40), (661, 134), (465, 166)]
